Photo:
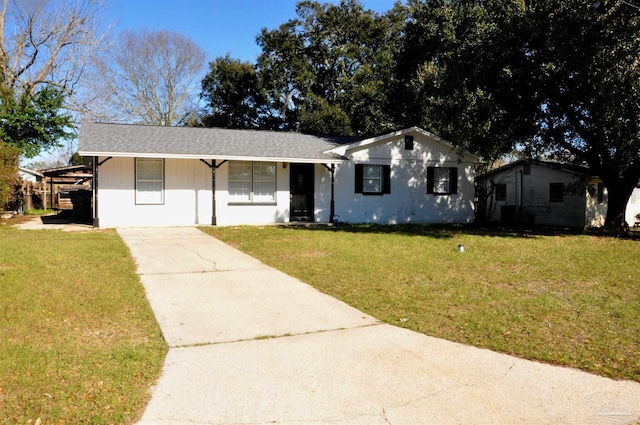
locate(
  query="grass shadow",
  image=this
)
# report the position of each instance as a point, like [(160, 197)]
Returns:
[(448, 231)]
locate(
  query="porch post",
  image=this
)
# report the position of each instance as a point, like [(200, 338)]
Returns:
[(213, 192), (213, 166), (332, 210), (94, 166), (51, 191)]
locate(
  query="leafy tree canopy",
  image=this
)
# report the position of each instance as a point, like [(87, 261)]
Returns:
[(33, 122), (44, 51), (232, 94), (586, 57), (549, 77), (325, 72)]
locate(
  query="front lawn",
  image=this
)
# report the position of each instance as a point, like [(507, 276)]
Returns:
[(571, 300), (79, 342)]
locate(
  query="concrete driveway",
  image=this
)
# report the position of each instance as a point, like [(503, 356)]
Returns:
[(249, 344)]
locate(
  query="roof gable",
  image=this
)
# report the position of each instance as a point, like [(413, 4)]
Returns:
[(371, 142)]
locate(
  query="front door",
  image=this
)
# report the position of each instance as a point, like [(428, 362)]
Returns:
[(301, 192)]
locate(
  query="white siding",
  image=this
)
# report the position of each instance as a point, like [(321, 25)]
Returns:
[(531, 192), (408, 200), (187, 195), (595, 212), (633, 207), (322, 195)]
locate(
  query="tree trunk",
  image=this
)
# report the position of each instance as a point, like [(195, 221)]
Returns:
[(618, 197)]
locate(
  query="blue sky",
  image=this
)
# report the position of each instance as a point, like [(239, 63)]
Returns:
[(218, 26)]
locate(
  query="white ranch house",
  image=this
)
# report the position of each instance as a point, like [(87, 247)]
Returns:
[(181, 176), (550, 193)]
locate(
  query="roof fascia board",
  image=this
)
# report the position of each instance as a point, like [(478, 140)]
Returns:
[(29, 171), (220, 157)]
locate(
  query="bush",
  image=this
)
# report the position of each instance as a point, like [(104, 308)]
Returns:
[(9, 178)]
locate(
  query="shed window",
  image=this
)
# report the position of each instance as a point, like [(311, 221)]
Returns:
[(252, 182), (556, 192), (373, 179), (501, 192), (149, 181), (442, 180)]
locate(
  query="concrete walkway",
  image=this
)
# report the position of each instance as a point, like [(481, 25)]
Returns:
[(251, 345), (54, 222)]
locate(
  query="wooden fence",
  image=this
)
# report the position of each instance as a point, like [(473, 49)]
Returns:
[(37, 195)]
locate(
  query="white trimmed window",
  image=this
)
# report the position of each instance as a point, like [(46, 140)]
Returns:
[(373, 179), (442, 180), (149, 181), (252, 182)]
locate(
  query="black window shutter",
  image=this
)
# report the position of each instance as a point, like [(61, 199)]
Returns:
[(359, 177), (386, 179), (430, 178), (453, 180)]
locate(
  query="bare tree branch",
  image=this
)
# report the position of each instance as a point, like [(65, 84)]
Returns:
[(150, 77), (48, 43)]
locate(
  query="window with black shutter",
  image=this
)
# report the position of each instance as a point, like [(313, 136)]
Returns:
[(371, 179), (442, 180)]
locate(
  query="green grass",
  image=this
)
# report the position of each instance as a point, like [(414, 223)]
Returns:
[(571, 300), (79, 342)]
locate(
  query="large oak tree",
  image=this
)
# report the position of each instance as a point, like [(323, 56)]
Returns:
[(547, 77), (586, 60)]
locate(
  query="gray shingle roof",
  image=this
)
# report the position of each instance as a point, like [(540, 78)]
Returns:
[(570, 168), (100, 139)]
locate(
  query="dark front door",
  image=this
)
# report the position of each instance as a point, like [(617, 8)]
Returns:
[(301, 192)]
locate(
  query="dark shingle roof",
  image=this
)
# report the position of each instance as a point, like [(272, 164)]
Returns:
[(571, 168), (100, 139)]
